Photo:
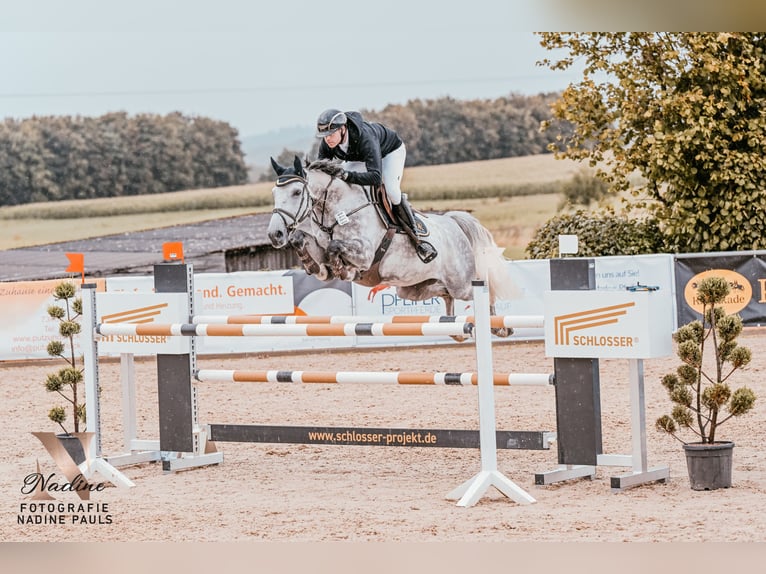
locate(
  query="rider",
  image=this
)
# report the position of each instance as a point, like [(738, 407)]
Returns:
[(347, 136)]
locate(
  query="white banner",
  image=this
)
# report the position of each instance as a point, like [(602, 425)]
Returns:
[(27, 329), (144, 309), (608, 324)]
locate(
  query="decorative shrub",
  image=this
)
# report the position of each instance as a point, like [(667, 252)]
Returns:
[(600, 233), (699, 389), (66, 380)]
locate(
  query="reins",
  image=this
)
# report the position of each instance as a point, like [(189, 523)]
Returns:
[(329, 230)]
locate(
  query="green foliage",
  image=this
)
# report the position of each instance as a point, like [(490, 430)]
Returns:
[(46, 159), (599, 233), (446, 130), (55, 348), (64, 290), (57, 415), (583, 189), (685, 112), (699, 388), (66, 381)]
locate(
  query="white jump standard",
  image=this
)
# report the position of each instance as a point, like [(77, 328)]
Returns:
[(184, 443), (571, 306)]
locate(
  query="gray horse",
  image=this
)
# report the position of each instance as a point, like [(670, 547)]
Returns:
[(358, 246)]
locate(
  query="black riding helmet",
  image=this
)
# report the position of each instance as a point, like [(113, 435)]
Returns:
[(329, 122)]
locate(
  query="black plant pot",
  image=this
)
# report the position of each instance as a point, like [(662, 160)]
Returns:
[(709, 465), (73, 446)]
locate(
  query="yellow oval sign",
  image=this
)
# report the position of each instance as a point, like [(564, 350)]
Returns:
[(737, 299)]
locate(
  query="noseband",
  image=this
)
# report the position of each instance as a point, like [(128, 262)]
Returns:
[(303, 209)]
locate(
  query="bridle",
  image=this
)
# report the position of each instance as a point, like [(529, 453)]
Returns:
[(370, 276), (292, 220), (319, 220)]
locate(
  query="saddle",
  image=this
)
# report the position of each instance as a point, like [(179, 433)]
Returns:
[(379, 198)]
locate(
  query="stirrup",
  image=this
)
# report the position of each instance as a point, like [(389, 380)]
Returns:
[(426, 251)]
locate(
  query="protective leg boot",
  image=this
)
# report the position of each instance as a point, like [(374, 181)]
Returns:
[(424, 249)]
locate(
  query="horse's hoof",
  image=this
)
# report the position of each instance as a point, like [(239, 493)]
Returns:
[(502, 332), (324, 274)]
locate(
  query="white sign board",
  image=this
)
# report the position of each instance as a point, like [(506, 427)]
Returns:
[(608, 324), (142, 308), (245, 293)]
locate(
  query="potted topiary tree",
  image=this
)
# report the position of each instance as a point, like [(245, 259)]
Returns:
[(66, 381), (700, 391)]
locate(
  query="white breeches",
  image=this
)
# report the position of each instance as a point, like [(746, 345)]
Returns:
[(393, 168)]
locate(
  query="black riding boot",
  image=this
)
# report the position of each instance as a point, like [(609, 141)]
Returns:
[(424, 249)]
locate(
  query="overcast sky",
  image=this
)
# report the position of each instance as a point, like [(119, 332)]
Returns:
[(267, 64)]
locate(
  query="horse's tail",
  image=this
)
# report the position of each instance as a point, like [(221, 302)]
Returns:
[(490, 263)]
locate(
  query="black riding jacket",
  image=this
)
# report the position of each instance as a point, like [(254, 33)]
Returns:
[(369, 142)]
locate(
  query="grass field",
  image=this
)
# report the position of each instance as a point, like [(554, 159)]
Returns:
[(511, 197)]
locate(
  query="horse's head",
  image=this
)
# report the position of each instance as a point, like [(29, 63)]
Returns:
[(291, 202)]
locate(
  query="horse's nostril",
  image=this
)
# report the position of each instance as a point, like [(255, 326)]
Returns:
[(276, 237)]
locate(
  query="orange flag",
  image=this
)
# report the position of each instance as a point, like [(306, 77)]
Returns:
[(173, 251), (76, 264)]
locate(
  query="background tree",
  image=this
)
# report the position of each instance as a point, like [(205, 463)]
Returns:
[(63, 157), (447, 130), (685, 111)]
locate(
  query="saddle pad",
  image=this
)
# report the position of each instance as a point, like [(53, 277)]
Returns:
[(420, 227)]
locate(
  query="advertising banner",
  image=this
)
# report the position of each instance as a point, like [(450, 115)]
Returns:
[(531, 278), (259, 293), (745, 272), (608, 324), (142, 308), (27, 328), (617, 273), (376, 302)]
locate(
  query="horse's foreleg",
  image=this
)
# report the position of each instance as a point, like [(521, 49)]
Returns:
[(348, 258), (310, 254)]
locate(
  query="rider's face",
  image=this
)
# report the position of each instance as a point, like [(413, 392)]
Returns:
[(334, 138)]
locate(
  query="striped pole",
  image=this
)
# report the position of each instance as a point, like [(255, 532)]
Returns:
[(322, 330), (399, 378), (496, 321)]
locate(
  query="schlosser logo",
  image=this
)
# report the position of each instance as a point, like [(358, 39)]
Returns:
[(140, 315), (564, 325)]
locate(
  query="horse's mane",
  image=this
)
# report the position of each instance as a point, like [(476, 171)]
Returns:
[(331, 167)]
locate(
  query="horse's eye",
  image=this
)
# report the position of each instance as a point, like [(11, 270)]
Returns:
[(297, 192)]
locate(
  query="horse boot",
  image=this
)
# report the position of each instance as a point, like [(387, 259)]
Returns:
[(424, 249)]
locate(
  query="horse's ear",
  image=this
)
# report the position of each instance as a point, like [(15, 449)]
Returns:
[(298, 166), (277, 168)]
